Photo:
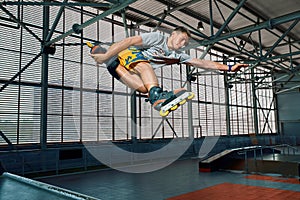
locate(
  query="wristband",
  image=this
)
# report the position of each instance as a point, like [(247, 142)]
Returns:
[(229, 68)]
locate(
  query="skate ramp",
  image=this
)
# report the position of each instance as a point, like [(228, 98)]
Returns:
[(254, 159), (16, 187)]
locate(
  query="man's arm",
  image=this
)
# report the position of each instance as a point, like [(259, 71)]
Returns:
[(207, 64), (117, 48)]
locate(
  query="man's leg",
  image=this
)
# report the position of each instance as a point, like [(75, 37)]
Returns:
[(131, 79), (157, 96), (147, 75), (143, 79)]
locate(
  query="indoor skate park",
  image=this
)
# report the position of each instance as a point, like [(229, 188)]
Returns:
[(69, 130)]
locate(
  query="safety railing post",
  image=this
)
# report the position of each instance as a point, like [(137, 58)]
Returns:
[(246, 163)]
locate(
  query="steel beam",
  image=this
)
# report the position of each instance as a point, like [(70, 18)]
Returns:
[(266, 58), (170, 11), (18, 3), (282, 56), (160, 22), (44, 83), (286, 90), (228, 30), (267, 116), (211, 22), (205, 52), (114, 9), (190, 109), (269, 24), (231, 16), (188, 25), (287, 43), (279, 66), (254, 101), (61, 10), (227, 103), (164, 21), (19, 22), (124, 22), (10, 144), (281, 38), (20, 72)]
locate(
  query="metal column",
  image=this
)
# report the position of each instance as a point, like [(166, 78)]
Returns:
[(44, 82), (254, 102)]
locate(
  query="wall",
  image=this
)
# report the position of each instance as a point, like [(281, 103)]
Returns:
[(289, 107), (78, 158)]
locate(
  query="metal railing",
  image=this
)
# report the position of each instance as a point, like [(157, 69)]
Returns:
[(288, 147), (285, 148)]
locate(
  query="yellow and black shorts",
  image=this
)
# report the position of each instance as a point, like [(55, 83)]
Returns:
[(130, 57), (127, 58)]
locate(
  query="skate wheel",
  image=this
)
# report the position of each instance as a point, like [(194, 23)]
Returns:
[(174, 107), (164, 114), (182, 102), (191, 96)]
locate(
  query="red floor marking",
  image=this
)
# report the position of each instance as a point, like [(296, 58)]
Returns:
[(230, 191)]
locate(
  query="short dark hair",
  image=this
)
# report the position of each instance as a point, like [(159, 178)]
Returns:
[(182, 30)]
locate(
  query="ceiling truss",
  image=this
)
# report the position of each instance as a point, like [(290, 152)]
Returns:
[(265, 57)]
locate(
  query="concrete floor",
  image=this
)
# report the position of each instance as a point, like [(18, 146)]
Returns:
[(176, 179)]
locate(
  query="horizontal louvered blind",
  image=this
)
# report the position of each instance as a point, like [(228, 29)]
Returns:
[(85, 103)]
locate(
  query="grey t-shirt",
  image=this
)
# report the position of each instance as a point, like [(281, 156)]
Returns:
[(155, 45)]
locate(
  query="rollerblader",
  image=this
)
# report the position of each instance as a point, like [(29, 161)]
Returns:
[(134, 59), (162, 101)]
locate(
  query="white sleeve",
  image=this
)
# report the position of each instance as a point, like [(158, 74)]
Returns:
[(184, 58), (152, 39)]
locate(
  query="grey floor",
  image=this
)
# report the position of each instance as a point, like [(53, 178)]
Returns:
[(178, 178)]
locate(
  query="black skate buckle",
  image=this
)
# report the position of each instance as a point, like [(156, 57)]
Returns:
[(169, 100)]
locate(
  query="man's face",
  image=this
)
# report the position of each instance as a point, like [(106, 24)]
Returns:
[(178, 40)]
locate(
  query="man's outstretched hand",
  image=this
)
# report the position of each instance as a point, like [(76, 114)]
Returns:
[(238, 66)]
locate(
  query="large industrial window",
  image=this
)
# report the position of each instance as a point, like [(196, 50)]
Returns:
[(86, 104)]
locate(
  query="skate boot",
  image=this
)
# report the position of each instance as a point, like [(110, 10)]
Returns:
[(166, 102), (96, 48)]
